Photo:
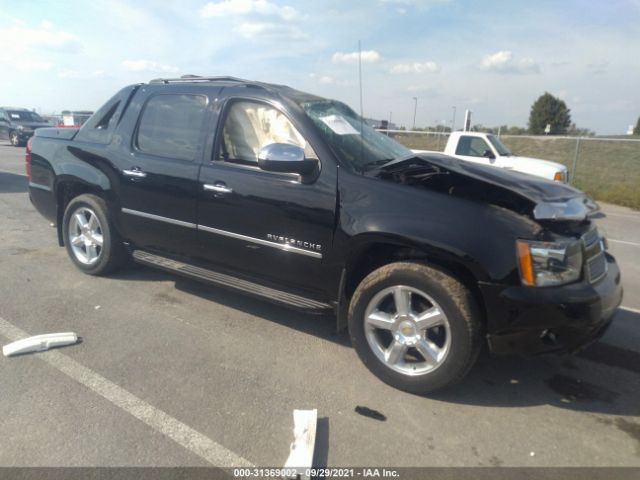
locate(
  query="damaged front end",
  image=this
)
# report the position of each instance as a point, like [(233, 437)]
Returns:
[(567, 286), (524, 194)]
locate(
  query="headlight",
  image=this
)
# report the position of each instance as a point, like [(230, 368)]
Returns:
[(20, 127), (543, 264)]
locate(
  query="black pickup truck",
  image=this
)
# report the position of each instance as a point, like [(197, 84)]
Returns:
[(293, 198)]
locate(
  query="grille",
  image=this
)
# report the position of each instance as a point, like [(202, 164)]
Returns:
[(595, 260), (596, 267), (590, 237)]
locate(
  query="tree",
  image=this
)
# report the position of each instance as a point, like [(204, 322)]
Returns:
[(636, 130), (548, 109)]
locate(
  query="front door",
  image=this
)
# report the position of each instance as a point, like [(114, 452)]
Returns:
[(264, 224)]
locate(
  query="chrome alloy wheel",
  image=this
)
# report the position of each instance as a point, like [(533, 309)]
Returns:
[(85, 235), (407, 330)]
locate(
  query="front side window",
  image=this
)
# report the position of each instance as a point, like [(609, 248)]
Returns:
[(171, 126), (500, 147), (250, 126), (472, 146)]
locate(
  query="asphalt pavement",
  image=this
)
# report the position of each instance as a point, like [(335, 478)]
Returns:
[(174, 373)]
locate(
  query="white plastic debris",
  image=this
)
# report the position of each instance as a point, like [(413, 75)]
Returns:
[(39, 343), (532, 454), (304, 441)]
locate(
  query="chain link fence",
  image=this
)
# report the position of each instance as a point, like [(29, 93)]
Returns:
[(606, 168)]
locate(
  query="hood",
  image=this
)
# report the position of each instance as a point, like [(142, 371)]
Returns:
[(540, 198), (539, 162)]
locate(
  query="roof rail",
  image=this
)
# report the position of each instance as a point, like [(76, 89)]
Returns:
[(198, 78)]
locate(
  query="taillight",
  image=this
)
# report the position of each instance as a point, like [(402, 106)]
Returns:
[(27, 158)]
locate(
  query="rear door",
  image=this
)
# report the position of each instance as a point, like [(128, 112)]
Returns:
[(158, 171), (263, 224)]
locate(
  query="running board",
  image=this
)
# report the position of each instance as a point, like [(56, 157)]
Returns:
[(217, 278)]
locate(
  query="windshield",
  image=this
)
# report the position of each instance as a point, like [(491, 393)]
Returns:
[(499, 146), (356, 143), (24, 116)]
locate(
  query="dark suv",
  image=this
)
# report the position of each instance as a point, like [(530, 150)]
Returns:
[(18, 124), (295, 199)]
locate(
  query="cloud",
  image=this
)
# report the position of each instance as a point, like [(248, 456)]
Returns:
[(226, 8), (25, 65), (147, 66), (368, 56), (269, 29), (45, 37), (503, 62), (421, 4), (330, 80), (425, 67), (424, 91), (78, 74), (597, 68)]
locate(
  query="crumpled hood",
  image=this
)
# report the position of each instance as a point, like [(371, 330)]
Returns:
[(552, 200)]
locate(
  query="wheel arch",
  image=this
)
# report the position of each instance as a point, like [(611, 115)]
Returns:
[(369, 253), (68, 188)]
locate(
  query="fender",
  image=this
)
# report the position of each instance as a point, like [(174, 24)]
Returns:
[(81, 172)]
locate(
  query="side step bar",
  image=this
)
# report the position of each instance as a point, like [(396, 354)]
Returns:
[(228, 281)]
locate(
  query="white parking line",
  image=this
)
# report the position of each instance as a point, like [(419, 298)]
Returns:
[(629, 309), (624, 242), (626, 215), (160, 421), (13, 173)]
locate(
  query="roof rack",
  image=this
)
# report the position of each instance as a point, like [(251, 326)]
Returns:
[(198, 78)]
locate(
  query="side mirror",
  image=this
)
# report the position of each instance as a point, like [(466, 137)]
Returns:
[(488, 154), (286, 158)]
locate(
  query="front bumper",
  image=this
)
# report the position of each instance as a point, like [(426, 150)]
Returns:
[(531, 320)]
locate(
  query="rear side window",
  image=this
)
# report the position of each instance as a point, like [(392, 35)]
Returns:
[(471, 146), (100, 126), (171, 126)]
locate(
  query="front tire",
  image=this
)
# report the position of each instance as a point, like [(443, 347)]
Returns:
[(92, 242), (14, 138), (415, 327)]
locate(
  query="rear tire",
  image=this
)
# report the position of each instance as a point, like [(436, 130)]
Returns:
[(92, 242), (415, 327)]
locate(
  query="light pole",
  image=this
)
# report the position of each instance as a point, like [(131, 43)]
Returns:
[(415, 110), (453, 120)]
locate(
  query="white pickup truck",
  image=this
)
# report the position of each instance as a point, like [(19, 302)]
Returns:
[(487, 149)]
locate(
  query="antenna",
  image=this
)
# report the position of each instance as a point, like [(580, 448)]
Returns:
[(360, 76), (361, 108)]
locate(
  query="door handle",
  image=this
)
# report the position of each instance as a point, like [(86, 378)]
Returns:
[(218, 187), (134, 172)]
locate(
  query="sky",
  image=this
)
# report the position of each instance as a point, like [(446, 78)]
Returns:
[(492, 57)]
